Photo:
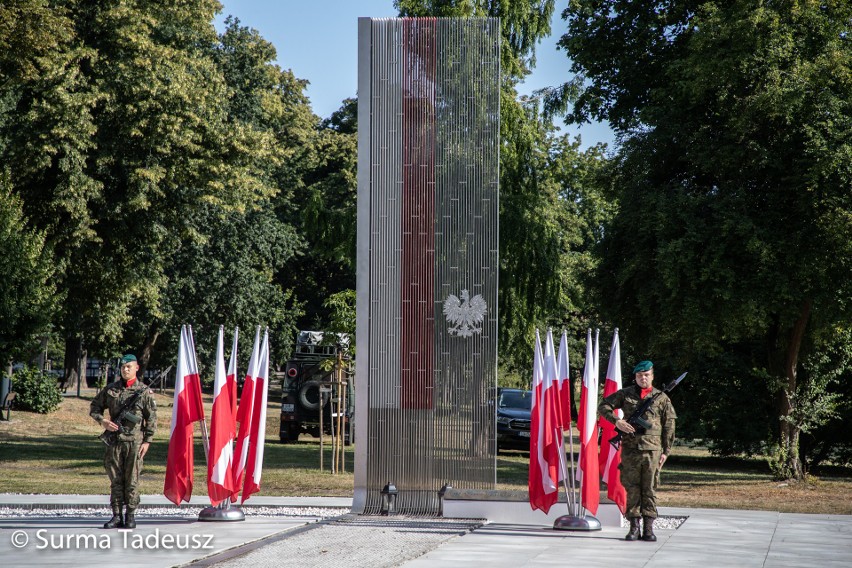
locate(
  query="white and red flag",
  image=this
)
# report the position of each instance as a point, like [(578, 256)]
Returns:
[(610, 458), (564, 383), (220, 471), (231, 377), (254, 464), (187, 410), (588, 472), (244, 416), (543, 488), (552, 411)]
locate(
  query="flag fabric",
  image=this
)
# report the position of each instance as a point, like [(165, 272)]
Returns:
[(552, 412), (220, 472), (543, 490), (254, 464), (588, 472), (564, 383), (244, 416), (610, 458), (563, 386), (186, 410), (231, 378)]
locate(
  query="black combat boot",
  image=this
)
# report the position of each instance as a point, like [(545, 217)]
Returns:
[(130, 519), (648, 530), (634, 529), (115, 522)]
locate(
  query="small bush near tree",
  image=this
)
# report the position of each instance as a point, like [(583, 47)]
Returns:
[(36, 392)]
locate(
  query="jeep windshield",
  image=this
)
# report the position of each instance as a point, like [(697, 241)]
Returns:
[(516, 399)]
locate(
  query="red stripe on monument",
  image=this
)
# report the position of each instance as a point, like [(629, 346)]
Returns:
[(417, 342)]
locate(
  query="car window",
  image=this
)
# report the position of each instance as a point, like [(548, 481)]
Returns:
[(516, 399)]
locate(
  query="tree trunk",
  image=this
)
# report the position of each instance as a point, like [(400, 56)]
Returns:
[(73, 348), (784, 363), (41, 360), (148, 348)]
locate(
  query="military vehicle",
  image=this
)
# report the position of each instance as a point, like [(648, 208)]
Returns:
[(312, 385)]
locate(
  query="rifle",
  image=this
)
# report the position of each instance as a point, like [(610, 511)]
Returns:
[(111, 438), (637, 419)]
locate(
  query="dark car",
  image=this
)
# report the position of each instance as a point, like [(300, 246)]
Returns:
[(513, 419)]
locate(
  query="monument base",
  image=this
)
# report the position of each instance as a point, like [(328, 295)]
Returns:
[(513, 507)]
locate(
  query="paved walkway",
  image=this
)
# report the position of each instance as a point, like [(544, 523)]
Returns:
[(718, 538)]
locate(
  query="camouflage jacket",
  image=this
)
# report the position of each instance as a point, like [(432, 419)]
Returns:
[(661, 415), (114, 396)]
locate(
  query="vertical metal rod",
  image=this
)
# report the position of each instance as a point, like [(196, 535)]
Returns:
[(321, 412)]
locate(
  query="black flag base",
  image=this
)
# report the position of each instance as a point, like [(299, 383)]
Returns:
[(222, 513), (572, 523)]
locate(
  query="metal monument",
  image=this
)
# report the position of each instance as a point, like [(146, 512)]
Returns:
[(428, 167)]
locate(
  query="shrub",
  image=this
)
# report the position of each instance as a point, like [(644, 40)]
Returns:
[(36, 392)]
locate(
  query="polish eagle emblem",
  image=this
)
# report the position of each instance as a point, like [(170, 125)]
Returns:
[(465, 316)]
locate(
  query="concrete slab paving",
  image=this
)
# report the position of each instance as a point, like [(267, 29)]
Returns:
[(156, 542), (709, 537)]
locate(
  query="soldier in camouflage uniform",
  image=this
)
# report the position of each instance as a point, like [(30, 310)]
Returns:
[(642, 455), (123, 459)]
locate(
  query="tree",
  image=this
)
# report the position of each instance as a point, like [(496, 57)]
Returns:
[(224, 277), (46, 128), (27, 292), (315, 172), (323, 209), (117, 131), (733, 179)]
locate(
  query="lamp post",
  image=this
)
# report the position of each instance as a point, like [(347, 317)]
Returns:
[(389, 493)]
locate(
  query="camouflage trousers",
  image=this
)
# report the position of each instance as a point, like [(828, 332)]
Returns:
[(639, 469), (123, 465)]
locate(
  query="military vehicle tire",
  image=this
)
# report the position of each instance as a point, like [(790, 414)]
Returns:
[(311, 400)]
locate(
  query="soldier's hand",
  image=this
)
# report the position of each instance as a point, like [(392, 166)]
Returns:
[(663, 459), (625, 426), (109, 425), (143, 449)]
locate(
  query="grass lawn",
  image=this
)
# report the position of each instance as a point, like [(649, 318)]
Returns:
[(60, 453)]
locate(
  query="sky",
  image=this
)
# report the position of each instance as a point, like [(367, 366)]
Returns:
[(318, 41)]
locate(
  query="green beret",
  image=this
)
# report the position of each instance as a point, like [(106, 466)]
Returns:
[(643, 366), (130, 357)]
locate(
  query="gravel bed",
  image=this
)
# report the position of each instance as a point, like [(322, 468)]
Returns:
[(663, 522), (352, 541), (147, 511)]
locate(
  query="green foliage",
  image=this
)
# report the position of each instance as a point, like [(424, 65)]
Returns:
[(524, 23), (27, 293), (821, 411), (225, 276), (36, 392), (315, 173), (124, 124), (323, 208), (732, 182), (341, 306), (725, 401)]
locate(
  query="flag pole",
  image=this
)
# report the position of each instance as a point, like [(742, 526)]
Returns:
[(563, 466), (574, 510), (205, 439), (223, 511), (580, 521)]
